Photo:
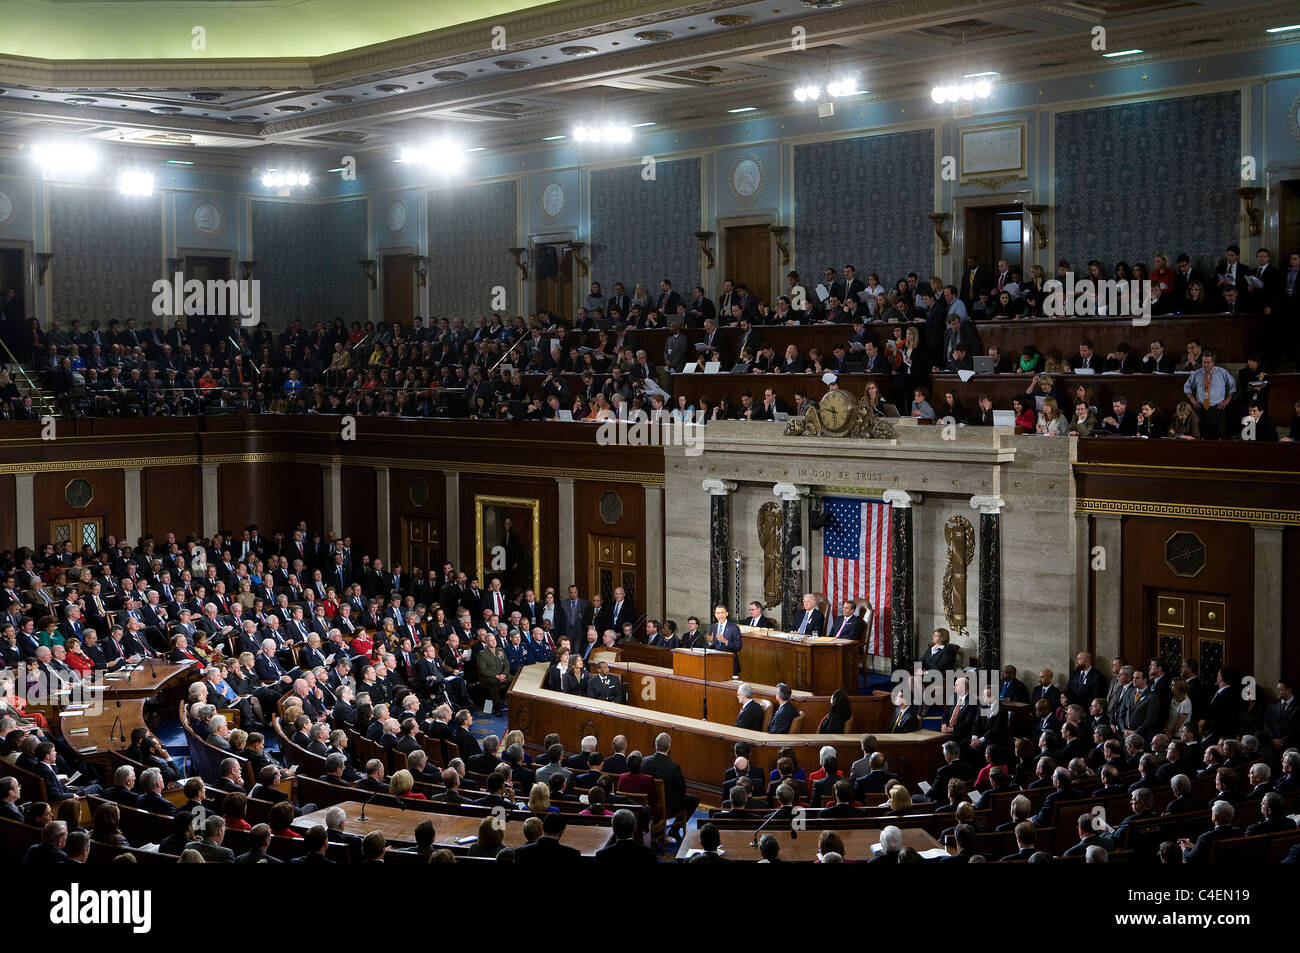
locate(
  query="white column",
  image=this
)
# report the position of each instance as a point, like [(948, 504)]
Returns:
[(332, 478), (210, 496), (451, 529), (383, 512), (654, 550), (568, 558), (1108, 609), (25, 509), (1268, 604), (131, 494), (901, 499)]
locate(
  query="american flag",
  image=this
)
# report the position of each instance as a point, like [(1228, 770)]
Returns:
[(855, 562)]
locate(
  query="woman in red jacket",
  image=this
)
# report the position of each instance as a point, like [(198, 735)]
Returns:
[(77, 659)]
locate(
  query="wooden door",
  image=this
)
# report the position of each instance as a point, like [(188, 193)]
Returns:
[(993, 232), (421, 543), (749, 260), (211, 268), (613, 562), (13, 274), (81, 530), (399, 289), (555, 293), (1288, 222), (1191, 625)]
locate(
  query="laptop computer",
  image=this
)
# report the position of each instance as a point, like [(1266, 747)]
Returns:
[(1004, 418), (984, 365)]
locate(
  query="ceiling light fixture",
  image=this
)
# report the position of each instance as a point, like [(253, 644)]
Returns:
[(1283, 29), (280, 179), (609, 133), (1111, 56), (64, 157), (135, 182), (443, 155), (972, 86), (553, 138), (743, 109)]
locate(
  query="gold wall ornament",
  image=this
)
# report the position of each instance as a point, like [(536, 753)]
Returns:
[(769, 537), (960, 537), (839, 414)]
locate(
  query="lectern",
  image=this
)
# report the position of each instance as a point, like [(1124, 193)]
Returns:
[(708, 664)]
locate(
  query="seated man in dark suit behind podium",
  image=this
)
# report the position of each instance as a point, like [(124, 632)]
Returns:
[(846, 625), (810, 621), (784, 716), (751, 712)]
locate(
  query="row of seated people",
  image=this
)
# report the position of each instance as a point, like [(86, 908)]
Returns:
[(390, 370)]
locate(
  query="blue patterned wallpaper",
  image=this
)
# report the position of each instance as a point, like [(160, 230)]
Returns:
[(644, 230), (307, 261), (864, 202), (1125, 174), (469, 231), (107, 255), (343, 290)]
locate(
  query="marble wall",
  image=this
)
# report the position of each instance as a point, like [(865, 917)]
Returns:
[(1031, 474)]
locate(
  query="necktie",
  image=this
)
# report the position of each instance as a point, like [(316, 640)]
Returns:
[(1205, 398), (956, 710), (803, 626)]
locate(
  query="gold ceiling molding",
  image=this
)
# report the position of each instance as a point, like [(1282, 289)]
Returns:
[(1226, 514)]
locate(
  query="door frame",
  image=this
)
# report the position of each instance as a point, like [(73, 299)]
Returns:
[(418, 299), (1270, 232), (28, 249), (1030, 251), (563, 237), (758, 217)]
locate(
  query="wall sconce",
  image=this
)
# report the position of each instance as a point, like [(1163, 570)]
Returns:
[(1248, 195), (368, 266), (779, 233), (576, 248), (939, 218), (519, 260), (43, 259), (174, 265), (1035, 224), (246, 269), (421, 273), (703, 239)]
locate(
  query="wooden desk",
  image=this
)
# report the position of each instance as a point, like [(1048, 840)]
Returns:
[(857, 843), (98, 730), (703, 749), (711, 666), (398, 827), (818, 665)]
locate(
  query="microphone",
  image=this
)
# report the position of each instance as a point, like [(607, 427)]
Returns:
[(794, 834), (366, 804), (116, 729)]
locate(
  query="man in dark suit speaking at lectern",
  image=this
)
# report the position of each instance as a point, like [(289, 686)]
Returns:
[(727, 635)]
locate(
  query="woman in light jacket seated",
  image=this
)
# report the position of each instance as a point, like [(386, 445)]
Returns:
[(1051, 422), (921, 405)]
